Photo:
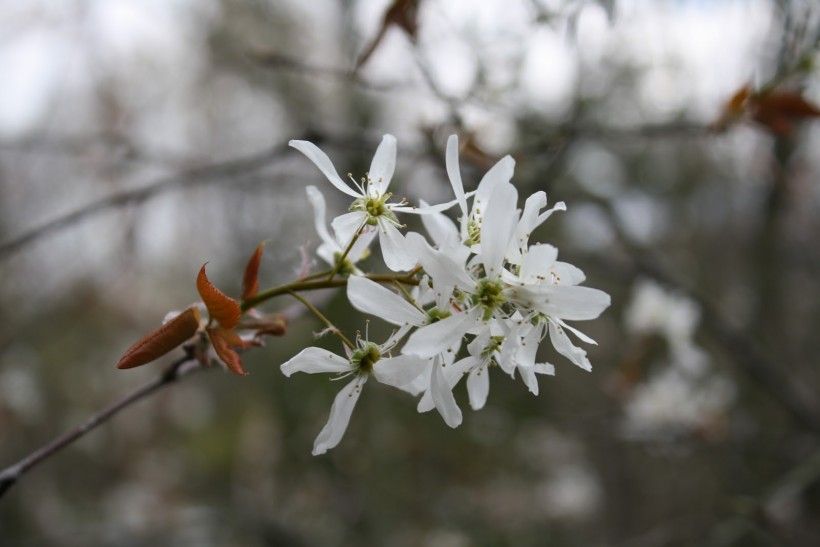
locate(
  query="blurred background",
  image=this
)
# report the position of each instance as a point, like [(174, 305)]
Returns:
[(141, 138)]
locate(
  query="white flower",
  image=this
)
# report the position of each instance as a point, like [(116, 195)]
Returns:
[(331, 250), (371, 208), (549, 288), (371, 298), (367, 359), (472, 218)]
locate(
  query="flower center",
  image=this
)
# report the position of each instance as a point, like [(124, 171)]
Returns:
[(436, 315), (344, 267), (492, 346), (489, 295), (473, 230), (365, 357), (374, 206)]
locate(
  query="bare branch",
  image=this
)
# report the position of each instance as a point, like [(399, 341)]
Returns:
[(190, 177), (182, 366)]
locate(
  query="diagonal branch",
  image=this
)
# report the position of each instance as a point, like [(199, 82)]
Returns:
[(182, 366), (195, 176)]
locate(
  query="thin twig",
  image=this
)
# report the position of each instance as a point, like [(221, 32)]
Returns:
[(182, 366), (191, 177)]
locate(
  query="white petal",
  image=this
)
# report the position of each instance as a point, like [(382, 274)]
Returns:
[(567, 274), (324, 164), (563, 345), (340, 412), (442, 395), (313, 360), (369, 297), (345, 226), (428, 209), (395, 251), (317, 201), (544, 368), (399, 371), (572, 303), (529, 379), (327, 251), (560, 206), (454, 173), (500, 173), (442, 230), (498, 227), (383, 164), (529, 216), (445, 271), (478, 387), (435, 338), (536, 264), (583, 337), (361, 247)]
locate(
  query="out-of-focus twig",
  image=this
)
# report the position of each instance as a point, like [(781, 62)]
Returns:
[(183, 366), (283, 62), (179, 368), (190, 177), (742, 348)]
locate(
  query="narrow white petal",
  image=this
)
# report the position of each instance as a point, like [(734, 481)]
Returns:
[(442, 230), (435, 338), (583, 337), (544, 368), (313, 360), (500, 173), (536, 264), (572, 303), (361, 247), (395, 251), (560, 206), (498, 227), (345, 226), (399, 371), (529, 379), (442, 395), (564, 346), (478, 387), (454, 173), (383, 164), (445, 271), (428, 209), (340, 413), (369, 297), (317, 201), (324, 164), (567, 274)]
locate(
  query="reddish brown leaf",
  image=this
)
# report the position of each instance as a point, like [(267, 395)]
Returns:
[(221, 307), (787, 104), (159, 342), (223, 341), (250, 281)]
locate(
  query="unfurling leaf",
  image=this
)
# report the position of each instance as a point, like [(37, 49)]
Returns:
[(224, 341), (221, 307), (250, 281), (159, 342)]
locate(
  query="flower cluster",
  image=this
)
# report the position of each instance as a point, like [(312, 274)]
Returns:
[(477, 296)]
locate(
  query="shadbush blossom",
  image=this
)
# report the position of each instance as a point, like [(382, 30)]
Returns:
[(478, 294)]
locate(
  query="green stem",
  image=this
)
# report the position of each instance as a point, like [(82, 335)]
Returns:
[(312, 285), (341, 259), (323, 319)]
